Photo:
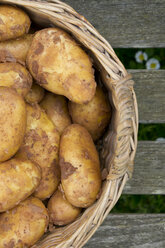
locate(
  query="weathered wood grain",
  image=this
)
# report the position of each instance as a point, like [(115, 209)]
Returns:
[(128, 23), (150, 91), (133, 231), (149, 169)]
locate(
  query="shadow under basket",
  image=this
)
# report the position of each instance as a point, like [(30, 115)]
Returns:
[(118, 146)]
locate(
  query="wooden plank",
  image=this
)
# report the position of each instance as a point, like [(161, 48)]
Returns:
[(150, 91), (149, 169), (130, 230), (128, 23)]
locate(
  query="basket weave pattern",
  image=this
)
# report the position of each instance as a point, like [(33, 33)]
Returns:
[(119, 145)]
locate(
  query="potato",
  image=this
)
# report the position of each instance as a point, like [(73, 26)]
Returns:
[(94, 116), (59, 65), (18, 180), (41, 145), (15, 50), (14, 22), (61, 212), (80, 166), (56, 108), (15, 76), (23, 225), (35, 95), (12, 122)]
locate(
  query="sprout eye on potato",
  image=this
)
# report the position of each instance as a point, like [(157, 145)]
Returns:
[(15, 76), (80, 166), (15, 50), (23, 225), (14, 22), (41, 145), (35, 95), (61, 212), (94, 115), (56, 108), (18, 180), (12, 122), (59, 65)]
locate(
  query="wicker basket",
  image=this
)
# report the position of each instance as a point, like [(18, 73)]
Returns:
[(119, 145)]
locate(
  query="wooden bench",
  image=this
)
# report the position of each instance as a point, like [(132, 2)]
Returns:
[(139, 24)]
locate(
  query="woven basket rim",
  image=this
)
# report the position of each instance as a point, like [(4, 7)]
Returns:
[(119, 145)]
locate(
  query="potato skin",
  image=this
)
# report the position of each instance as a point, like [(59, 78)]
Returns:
[(61, 212), (35, 95), (80, 166), (18, 180), (12, 122), (94, 116), (15, 76), (14, 22), (41, 145), (56, 108), (15, 50), (23, 225), (59, 65)]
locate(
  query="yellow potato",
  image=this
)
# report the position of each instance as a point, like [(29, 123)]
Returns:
[(80, 166), (94, 116), (15, 50), (35, 95), (12, 122), (18, 180), (23, 225), (59, 65), (61, 212), (56, 108), (14, 22), (41, 145), (15, 76)]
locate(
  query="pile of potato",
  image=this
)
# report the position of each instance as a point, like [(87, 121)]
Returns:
[(51, 113)]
